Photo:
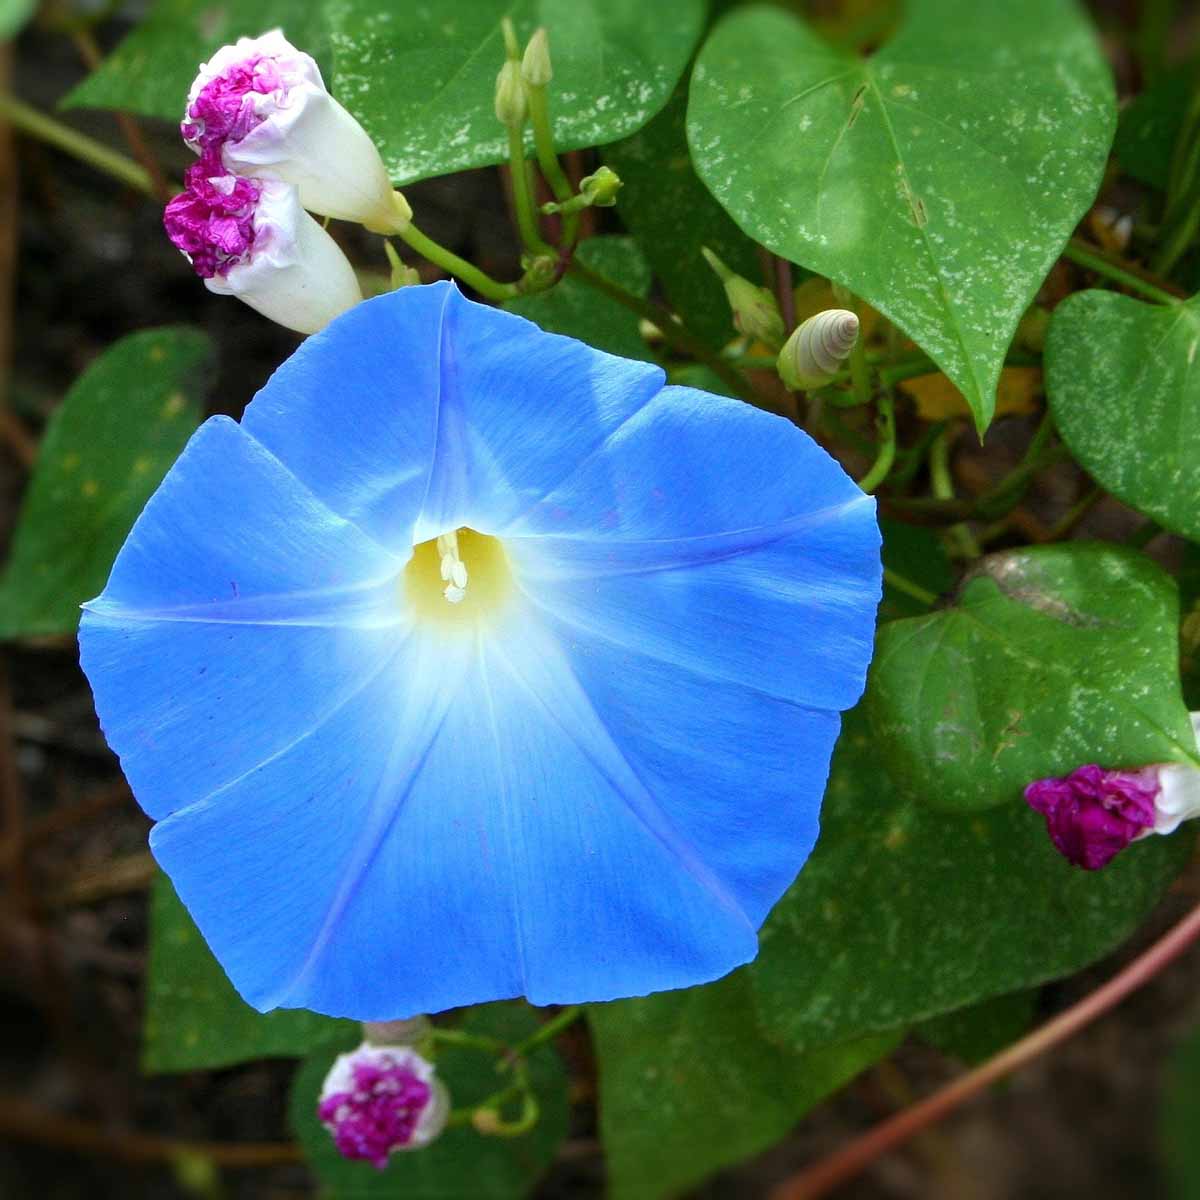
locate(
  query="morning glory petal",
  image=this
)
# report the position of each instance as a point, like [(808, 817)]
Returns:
[(748, 559), (487, 836), (239, 611), (445, 412), (476, 663)]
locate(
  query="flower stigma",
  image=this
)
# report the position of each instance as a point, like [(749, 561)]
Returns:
[(459, 576)]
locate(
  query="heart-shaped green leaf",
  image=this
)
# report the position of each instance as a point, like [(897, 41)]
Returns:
[(462, 1162), (106, 449), (423, 84), (421, 78), (938, 179), (1052, 657), (688, 1085), (1124, 388), (194, 1020), (903, 912)]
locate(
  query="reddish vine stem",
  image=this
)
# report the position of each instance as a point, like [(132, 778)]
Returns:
[(32, 1123), (783, 288), (91, 55), (852, 1159)]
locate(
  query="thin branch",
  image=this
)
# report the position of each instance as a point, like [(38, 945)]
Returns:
[(1126, 274), (89, 52), (32, 1123), (851, 1160)]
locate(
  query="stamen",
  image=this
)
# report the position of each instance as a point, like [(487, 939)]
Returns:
[(454, 571)]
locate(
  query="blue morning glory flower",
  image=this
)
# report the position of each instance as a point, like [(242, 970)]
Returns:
[(475, 663)]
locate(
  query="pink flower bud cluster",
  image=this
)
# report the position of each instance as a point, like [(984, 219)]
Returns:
[(272, 142), (380, 1099), (212, 222)]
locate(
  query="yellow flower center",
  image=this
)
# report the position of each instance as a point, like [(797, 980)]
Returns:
[(459, 578)]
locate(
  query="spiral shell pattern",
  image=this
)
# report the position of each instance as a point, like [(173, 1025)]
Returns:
[(818, 348)]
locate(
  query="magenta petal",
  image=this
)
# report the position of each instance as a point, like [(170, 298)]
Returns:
[(1093, 814)]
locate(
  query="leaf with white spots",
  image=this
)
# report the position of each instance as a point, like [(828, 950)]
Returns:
[(903, 912), (938, 179), (1123, 383), (688, 1084), (105, 450), (1051, 657), (421, 78), (194, 1020)]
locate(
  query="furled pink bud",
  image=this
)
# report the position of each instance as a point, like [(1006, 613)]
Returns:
[(251, 239), (262, 106), (1093, 814), (380, 1099)]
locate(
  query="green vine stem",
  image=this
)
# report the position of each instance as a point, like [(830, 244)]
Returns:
[(903, 584), (546, 1032), (943, 489), (78, 145), (886, 423), (523, 196), (547, 156), (1087, 256), (470, 274)]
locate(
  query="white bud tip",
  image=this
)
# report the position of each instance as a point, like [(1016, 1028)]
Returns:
[(535, 66)]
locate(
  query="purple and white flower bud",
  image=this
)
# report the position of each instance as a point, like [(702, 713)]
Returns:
[(250, 238), (263, 106), (1093, 814), (380, 1099)]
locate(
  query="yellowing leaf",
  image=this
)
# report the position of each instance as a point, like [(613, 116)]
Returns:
[(938, 399)]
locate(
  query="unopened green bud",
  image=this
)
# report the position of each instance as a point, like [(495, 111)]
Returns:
[(535, 66), (600, 188), (540, 271), (755, 310), (402, 275), (511, 105), (817, 349)]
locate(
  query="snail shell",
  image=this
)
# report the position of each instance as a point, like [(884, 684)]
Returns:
[(818, 348)]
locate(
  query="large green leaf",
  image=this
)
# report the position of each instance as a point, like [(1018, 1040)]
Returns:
[(1150, 125), (978, 1031), (938, 179), (672, 215), (151, 71), (461, 1163), (194, 1019), (106, 449), (688, 1085), (1052, 657), (1123, 386), (574, 309), (421, 78), (903, 912)]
